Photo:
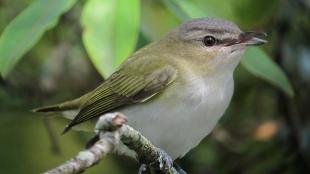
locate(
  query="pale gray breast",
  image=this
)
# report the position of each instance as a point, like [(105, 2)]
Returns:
[(183, 115)]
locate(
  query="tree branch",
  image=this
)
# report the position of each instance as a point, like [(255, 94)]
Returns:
[(112, 129)]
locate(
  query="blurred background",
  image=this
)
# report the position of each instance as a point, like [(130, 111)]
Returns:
[(55, 50)]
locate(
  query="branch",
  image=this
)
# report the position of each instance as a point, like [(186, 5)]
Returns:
[(111, 129)]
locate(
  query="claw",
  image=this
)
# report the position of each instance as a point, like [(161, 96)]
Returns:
[(165, 161), (179, 169), (92, 141), (164, 164), (142, 169)]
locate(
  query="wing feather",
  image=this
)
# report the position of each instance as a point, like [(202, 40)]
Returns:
[(123, 89)]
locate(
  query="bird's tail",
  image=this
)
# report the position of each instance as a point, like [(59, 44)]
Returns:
[(51, 108), (65, 106)]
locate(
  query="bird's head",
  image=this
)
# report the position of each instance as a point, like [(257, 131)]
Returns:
[(212, 43)]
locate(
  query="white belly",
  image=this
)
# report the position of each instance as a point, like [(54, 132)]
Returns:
[(177, 121)]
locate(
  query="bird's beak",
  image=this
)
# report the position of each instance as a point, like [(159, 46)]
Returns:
[(252, 38), (249, 38)]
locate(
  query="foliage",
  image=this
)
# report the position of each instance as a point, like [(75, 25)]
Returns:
[(110, 33), (255, 61), (262, 131), (27, 28)]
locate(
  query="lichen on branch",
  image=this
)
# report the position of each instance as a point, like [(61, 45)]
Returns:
[(111, 129)]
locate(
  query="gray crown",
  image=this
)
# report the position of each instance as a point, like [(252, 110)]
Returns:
[(210, 24)]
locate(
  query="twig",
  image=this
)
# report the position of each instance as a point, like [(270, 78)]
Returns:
[(111, 129), (147, 153)]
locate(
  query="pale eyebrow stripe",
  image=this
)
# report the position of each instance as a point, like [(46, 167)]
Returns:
[(211, 31), (223, 36)]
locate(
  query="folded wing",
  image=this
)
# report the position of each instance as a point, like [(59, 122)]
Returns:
[(122, 89)]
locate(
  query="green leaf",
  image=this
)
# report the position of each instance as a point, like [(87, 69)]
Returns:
[(186, 9), (27, 28), (258, 63), (110, 34), (156, 20)]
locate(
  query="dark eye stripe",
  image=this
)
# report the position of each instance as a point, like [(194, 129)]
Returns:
[(227, 41)]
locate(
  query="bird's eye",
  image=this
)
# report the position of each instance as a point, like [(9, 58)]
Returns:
[(209, 41)]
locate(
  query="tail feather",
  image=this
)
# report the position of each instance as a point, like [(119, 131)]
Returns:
[(52, 108), (64, 107), (69, 105)]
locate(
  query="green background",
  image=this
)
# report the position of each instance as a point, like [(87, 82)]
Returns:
[(265, 130)]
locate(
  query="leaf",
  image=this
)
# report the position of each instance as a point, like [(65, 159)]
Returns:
[(156, 20), (27, 28), (255, 61), (258, 63), (110, 34), (185, 9)]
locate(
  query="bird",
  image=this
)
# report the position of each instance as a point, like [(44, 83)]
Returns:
[(174, 90)]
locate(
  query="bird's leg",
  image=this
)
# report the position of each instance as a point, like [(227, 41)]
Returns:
[(92, 141), (162, 165), (143, 169), (179, 169), (165, 161)]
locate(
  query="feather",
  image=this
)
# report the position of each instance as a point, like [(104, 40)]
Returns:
[(123, 89)]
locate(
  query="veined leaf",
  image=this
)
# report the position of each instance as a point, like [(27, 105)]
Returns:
[(258, 63), (111, 29), (255, 61), (27, 28)]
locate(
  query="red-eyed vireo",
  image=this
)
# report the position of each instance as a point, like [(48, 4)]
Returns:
[(173, 90)]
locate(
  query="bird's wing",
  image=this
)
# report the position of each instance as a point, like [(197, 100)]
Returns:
[(123, 88)]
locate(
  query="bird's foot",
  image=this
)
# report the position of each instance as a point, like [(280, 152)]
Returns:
[(179, 169), (143, 169), (165, 161), (164, 165), (92, 141)]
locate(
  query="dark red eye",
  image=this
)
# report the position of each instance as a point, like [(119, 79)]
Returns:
[(209, 41)]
